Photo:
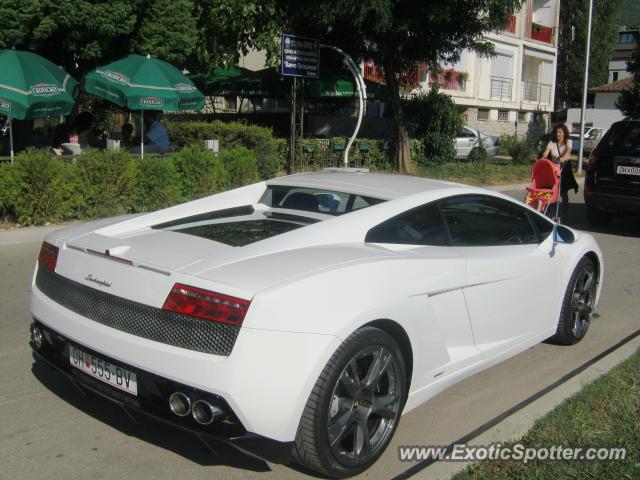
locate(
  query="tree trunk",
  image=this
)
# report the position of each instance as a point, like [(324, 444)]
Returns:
[(401, 137)]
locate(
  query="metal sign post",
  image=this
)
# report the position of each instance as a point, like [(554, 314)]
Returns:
[(585, 88), (300, 58)]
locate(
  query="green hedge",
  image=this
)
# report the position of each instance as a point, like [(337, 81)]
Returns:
[(40, 187), (268, 149)]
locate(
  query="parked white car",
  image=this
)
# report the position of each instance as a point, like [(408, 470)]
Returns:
[(301, 316), (469, 138)]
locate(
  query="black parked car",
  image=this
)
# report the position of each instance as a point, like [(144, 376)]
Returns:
[(612, 183)]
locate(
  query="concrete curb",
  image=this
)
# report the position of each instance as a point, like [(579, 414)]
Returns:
[(516, 425)]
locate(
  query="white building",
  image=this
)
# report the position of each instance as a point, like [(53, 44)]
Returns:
[(515, 89), (627, 41)]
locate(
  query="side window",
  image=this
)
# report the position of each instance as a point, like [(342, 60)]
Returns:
[(542, 225), (465, 133), (479, 220), (420, 226)]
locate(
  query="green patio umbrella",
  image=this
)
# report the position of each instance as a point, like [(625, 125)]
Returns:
[(207, 82), (33, 87), (334, 84), (144, 83), (265, 83)]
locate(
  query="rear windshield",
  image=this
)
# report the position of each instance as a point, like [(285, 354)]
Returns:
[(244, 225), (625, 136), (329, 202)]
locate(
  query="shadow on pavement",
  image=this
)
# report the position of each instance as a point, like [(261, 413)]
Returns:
[(624, 226), (146, 428)]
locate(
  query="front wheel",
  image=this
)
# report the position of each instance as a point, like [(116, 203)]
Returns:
[(578, 304), (355, 406)]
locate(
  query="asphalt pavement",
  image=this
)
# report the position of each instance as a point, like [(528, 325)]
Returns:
[(51, 430)]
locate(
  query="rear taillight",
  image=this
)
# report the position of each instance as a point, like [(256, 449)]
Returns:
[(48, 256), (205, 304)]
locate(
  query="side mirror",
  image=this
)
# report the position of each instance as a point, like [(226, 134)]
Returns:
[(559, 234), (562, 234)]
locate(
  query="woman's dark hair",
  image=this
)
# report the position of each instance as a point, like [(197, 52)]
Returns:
[(562, 127)]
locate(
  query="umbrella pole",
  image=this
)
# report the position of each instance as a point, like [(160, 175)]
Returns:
[(142, 133), (11, 137)]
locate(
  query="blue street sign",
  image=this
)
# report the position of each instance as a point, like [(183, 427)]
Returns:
[(300, 56)]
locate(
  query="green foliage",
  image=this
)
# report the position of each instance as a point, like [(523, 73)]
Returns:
[(228, 27), (156, 184), (41, 191), (479, 154), (521, 150), (629, 100), (434, 119), (9, 191), (630, 14), (201, 173), (572, 46), (242, 166), (168, 31), (105, 182), (259, 139)]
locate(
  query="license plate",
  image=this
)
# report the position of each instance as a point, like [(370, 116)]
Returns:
[(625, 170), (113, 375)]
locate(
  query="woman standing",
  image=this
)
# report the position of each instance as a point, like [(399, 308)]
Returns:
[(560, 150)]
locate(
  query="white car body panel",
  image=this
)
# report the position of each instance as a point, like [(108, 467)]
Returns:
[(311, 288)]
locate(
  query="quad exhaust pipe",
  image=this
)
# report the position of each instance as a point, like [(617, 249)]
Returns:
[(180, 404), (202, 411)]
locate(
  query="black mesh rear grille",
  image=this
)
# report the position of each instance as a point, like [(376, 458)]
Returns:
[(136, 318)]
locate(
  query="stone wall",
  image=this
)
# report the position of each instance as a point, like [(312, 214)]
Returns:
[(534, 125)]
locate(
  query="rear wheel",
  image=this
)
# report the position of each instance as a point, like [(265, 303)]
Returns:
[(578, 304), (354, 408), (598, 218)]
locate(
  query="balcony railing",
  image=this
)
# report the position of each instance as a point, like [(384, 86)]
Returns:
[(536, 92), (511, 24), (542, 34), (445, 82), (501, 88)]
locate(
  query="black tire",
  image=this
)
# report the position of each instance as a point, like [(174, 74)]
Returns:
[(598, 218), (347, 424), (578, 304)]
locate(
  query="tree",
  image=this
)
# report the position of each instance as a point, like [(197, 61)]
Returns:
[(82, 34), (400, 34), (227, 28), (629, 100), (572, 45), (167, 31)]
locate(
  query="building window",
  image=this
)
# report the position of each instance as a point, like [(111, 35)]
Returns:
[(615, 77), (522, 116), (483, 114), (503, 115), (626, 37)]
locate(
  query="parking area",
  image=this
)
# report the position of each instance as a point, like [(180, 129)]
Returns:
[(51, 430)]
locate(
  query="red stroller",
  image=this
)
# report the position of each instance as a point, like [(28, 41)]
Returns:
[(544, 191)]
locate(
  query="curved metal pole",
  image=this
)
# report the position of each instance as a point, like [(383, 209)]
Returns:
[(362, 95)]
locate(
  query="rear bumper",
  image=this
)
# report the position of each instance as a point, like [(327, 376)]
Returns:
[(610, 201), (152, 398), (265, 381)]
